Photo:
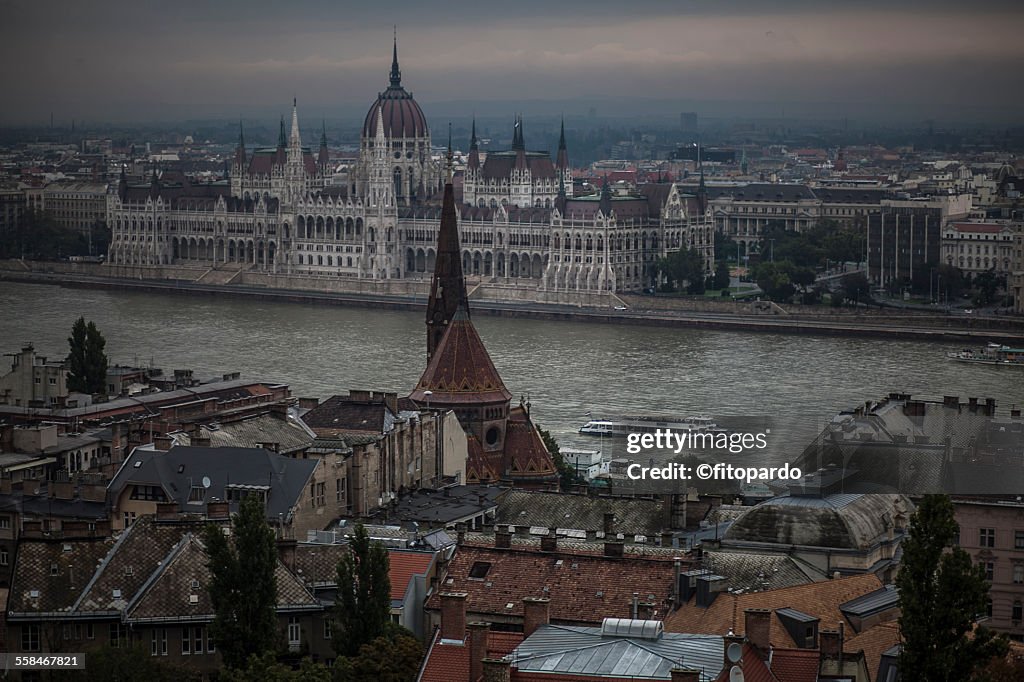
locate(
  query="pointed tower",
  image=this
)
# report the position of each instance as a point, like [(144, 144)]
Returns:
[(381, 185), (447, 288), (474, 149), (240, 149), (324, 158), (396, 73), (606, 198), (562, 161)]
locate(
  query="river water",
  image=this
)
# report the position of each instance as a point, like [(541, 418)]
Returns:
[(568, 369)]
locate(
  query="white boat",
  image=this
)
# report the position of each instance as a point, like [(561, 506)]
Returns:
[(623, 426), (993, 354)]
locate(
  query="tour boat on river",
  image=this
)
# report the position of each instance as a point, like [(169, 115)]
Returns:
[(993, 354), (623, 426)]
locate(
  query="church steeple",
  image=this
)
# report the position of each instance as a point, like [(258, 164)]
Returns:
[(474, 149), (240, 150), (282, 140), (562, 161), (447, 288), (294, 140), (396, 74), (324, 156)]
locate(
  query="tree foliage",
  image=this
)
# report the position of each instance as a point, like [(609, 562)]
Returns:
[(394, 656), (722, 277), (684, 268), (87, 372), (363, 608), (125, 663), (781, 279), (243, 585), (38, 236), (267, 668), (567, 475), (942, 593)]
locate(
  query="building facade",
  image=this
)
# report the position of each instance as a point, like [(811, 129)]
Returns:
[(978, 247), (519, 221)]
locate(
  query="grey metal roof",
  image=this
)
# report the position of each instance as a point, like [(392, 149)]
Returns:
[(179, 469), (798, 616), (872, 602), (585, 651)]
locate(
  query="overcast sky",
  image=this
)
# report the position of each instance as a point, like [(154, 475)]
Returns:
[(144, 59)]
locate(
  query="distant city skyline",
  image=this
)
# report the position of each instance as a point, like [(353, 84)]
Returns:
[(139, 61)]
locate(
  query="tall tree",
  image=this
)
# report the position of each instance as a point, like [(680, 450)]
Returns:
[(243, 588), (363, 608), (567, 474), (87, 359), (722, 276), (941, 594)]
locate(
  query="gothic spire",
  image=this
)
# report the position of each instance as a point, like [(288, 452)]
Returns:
[(472, 136), (396, 74), (324, 156), (473, 162), (240, 150), (562, 160), (282, 141), (294, 140), (447, 288), (606, 198)]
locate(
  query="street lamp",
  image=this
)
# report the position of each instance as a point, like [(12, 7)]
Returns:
[(427, 394)]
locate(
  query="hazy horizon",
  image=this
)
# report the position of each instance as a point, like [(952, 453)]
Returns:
[(137, 61)]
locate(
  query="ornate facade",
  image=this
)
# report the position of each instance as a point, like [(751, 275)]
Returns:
[(519, 220)]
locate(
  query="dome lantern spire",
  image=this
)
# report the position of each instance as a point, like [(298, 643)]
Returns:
[(396, 74)]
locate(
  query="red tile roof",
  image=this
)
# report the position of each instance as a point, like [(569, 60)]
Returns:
[(874, 642), (583, 588), (820, 599), (404, 566), (796, 665), (450, 662), (989, 228)]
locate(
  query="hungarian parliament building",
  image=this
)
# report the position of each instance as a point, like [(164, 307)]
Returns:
[(520, 221)]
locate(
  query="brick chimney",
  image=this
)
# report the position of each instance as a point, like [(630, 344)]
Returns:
[(502, 538), (166, 511), (477, 648), (830, 643), (536, 612), (609, 524), (162, 443), (549, 543), (218, 510), (685, 675), (497, 670), (614, 548), (453, 616), (757, 625), (286, 552)]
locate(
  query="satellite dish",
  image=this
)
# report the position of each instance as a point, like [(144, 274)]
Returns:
[(734, 652), (736, 674), (206, 482)]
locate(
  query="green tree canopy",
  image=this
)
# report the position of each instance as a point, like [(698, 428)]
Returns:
[(942, 592), (87, 372), (363, 607), (567, 476), (243, 588), (684, 267), (266, 668), (395, 656), (722, 277)]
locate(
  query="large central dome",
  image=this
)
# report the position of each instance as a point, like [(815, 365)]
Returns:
[(403, 117)]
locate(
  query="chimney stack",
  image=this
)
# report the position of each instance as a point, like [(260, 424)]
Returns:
[(218, 510), (502, 538), (685, 675), (830, 643), (286, 552), (162, 443), (453, 616), (549, 543), (536, 612), (477, 648), (496, 670), (166, 511), (609, 524), (614, 548), (757, 625)]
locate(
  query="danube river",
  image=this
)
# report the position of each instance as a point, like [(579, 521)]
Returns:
[(568, 369)]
